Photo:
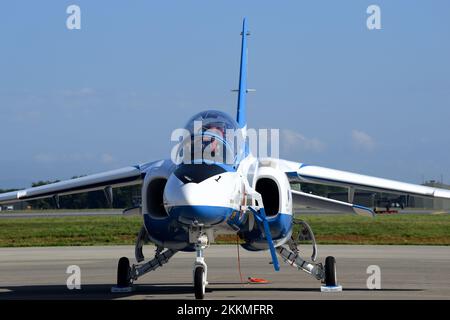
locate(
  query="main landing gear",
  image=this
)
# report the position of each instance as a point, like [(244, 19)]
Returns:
[(291, 255), (330, 272), (127, 274), (124, 273)]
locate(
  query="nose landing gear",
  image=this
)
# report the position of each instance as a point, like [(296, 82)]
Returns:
[(200, 271)]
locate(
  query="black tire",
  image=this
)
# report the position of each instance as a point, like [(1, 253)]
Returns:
[(199, 287), (123, 273), (330, 272)]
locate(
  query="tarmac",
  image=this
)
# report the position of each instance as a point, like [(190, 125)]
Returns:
[(406, 272)]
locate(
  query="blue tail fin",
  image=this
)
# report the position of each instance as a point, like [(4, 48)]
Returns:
[(242, 91)]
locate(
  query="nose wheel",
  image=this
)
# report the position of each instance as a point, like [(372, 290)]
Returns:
[(200, 271), (199, 282)]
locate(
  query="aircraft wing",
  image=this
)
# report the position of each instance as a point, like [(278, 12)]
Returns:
[(314, 174), (116, 178), (314, 201)]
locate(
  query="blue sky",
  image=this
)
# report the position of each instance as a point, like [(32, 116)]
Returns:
[(82, 101)]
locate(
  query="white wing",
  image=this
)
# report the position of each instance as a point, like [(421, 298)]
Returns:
[(116, 178), (313, 174), (314, 201)]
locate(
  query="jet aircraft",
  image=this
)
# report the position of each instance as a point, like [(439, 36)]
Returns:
[(214, 186)]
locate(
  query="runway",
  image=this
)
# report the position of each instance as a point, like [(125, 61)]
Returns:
[(407, 272)]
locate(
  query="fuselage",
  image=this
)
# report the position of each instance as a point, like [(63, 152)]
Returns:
[(212, 195)]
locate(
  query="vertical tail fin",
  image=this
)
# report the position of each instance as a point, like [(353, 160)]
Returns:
[(242, 91)]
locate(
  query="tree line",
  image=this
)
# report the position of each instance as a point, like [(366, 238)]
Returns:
[(124, 197)]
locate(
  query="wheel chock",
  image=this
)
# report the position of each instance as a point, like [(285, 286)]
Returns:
[(116, 289), (331, 288)]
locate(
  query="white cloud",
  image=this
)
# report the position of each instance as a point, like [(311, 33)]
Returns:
[(291, 140), (83, 92), (52, 158), (48, 158), (44, 158), (107, 158), (362, 140)]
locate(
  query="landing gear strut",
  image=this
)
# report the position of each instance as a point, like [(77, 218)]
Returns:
[(291, 255), (126, 275)]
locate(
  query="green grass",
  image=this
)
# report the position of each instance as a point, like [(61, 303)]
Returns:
[(46, 211), (68, 231), (329, 229), (410, 229)]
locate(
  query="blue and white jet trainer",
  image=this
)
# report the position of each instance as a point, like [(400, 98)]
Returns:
[(186, 204)]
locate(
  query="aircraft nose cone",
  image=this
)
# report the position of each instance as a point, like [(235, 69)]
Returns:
[(205, 215), (201, 194), (183, 194)]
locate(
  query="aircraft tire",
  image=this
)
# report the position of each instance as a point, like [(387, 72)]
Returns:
[(199, 282), (330, 272), (123, 273)]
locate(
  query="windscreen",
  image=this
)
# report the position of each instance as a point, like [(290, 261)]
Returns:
[(212, 139)]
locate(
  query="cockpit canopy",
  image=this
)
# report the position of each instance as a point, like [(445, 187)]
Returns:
[(211, 119), (211, 138)]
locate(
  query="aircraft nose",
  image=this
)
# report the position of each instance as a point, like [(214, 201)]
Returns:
[(198, 193)]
